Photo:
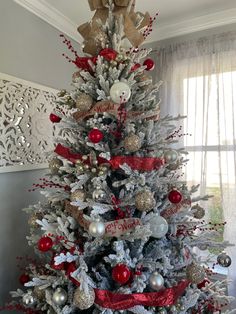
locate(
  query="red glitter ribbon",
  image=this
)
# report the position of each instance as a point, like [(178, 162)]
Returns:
[(135, 163), (117, 301)]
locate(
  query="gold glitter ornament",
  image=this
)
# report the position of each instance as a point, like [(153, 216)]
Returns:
[(84, 300), (32, 220), (195, 273), (132, 143), (84, 102), (54, 165), (39, 293), (77, 195), (199, 212), (145, 201)]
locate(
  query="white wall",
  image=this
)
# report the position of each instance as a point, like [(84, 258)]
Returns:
[(32, 50)]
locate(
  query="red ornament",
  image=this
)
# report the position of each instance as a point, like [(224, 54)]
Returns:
[(54, 118), (70, 268), (108, 54), (45, 244), (175, 197), (150, 64), (57, 267), (135, 67), (121, 274), (203, 284), (95, 136), (24, 278), (83, 63)]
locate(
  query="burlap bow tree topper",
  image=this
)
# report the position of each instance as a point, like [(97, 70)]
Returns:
[(133, 24)]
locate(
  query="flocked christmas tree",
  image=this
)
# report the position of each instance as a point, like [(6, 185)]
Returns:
[(118, 229)]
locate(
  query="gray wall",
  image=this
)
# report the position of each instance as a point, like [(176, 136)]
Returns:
[(32, 50)]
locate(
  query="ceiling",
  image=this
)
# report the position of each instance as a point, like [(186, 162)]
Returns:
[(175, 17)]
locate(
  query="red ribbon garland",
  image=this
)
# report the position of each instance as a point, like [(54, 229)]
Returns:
[(117, 301), (135, 163)]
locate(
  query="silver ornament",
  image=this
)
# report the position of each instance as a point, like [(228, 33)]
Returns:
[(224, 260), (195, 273), (132, 143), (97, 229), (156, 281), (28, 299), (144, 200), (84, 102), (84, 300), (77, 195), (158, 227), (99, 194), (59, 297), (171, 156), (120, 92), (54, 165), (199, 212)]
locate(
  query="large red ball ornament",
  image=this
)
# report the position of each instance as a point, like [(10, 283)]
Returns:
[(108, 54), (57, 267), (121, 274), (150, 64), (95, 136), (175, 197), (54, 118), (45, 244), (24, 278), (70, 268)]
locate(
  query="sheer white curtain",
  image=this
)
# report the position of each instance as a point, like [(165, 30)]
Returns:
[(200, 81)]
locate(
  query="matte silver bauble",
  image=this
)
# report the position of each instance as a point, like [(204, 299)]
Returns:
[(84, 300), (97, 229), (156, 281), (145, 201), (158, 227), (171, 156), (120, 92), (59, 297), (28, 299), (195, 273), (224, 260)]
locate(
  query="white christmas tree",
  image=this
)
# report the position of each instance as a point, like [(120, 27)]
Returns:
[(119, 228)]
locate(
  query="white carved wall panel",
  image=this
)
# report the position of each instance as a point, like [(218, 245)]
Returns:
[(26, 132)]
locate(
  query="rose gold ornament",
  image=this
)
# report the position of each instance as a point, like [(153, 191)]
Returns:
[(132, 143), (77, 195), (145, 201), (195, 273), (84, 102)]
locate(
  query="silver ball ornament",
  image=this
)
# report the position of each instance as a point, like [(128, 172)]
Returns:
[(59, 297), (171, 156), (120, 92), (158, 226), (83, 300), (156, 281), (224, 260), (132, 143), (195, 273), (145, 201), (99, 194), (28, 299), (97, 229)]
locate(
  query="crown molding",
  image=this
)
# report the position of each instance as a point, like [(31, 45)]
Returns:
[(196, 24), (52, 16), (61, 22)]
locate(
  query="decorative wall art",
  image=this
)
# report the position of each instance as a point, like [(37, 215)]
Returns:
[(25, 129)]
